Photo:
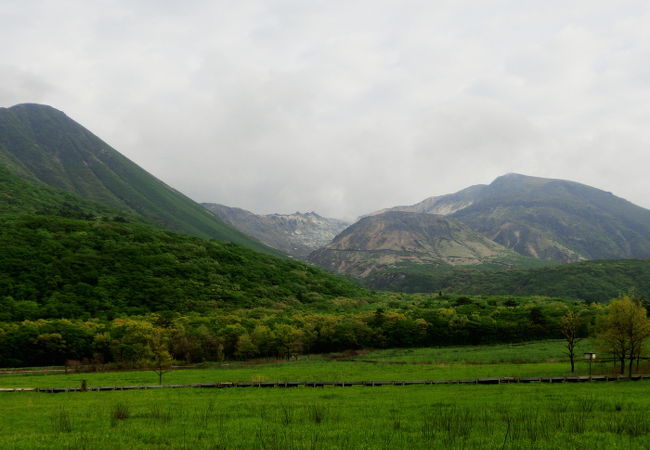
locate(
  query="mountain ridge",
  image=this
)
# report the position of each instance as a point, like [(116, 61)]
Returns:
[(548, 218)]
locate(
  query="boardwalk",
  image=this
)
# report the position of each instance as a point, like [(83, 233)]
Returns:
[(293, 384)]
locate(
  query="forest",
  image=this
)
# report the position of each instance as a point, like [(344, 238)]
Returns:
[(392, 320), (595, 280)]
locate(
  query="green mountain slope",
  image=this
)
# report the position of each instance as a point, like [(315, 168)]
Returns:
[(19, 196), (406, 239), (58, 267), (41, 144), (598, 280), (549, 219)]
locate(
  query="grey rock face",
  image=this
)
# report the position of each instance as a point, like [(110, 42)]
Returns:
[(398, 238), (296, 234)]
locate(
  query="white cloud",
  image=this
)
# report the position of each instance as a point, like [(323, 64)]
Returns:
[(344, 107)]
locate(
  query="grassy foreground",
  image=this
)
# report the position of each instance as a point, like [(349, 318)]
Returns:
[(514, 416), (612, 415)]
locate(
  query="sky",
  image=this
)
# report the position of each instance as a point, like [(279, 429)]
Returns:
[(344, 107)]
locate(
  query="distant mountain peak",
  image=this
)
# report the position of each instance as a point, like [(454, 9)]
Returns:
[(524, 179), (297, 234), (34, 106)]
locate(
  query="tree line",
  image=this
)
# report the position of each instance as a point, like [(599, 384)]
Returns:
[(619, 330), (397, 321)]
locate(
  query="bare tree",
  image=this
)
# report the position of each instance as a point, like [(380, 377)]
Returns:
[(569, 327)]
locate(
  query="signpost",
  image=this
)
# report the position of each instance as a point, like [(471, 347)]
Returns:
[(589, 357)]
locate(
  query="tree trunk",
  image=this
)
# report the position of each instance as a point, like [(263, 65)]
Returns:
[(631, 365)]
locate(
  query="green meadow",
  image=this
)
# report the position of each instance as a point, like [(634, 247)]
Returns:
[(587, 415), (540, 416), (545, 358)]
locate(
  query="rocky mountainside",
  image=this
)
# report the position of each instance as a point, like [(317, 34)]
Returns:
[(42, 145), (443, 204), (549, 219), (407, 239), (296, 234)]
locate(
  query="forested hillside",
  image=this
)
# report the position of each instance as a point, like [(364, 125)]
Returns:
[(598, 280), (58, 267)]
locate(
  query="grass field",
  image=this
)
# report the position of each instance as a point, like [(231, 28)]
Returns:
[(521, 360), (541, 416), (607, 416), (527, 352)]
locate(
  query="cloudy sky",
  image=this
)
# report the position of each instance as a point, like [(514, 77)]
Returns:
[(344, 107)]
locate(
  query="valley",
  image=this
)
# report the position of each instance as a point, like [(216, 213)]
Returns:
[(114, 277), (284, 225)]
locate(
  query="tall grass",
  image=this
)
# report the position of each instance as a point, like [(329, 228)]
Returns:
[(585, 415), (119, 411), (61, 421)]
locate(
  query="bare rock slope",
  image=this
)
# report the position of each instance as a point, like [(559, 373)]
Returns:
[(296, 234), (397, 238)]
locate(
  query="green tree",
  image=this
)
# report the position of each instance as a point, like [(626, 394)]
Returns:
[(162, 360), (245, 347), (624, 329), (131, 341)]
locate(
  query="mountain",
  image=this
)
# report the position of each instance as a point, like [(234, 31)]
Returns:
[(66, 250), (295, 234), (411, 240), (42, 145), (549, 219)]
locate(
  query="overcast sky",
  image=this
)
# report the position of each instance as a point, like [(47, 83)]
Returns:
[(344, 107)]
